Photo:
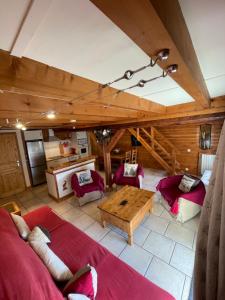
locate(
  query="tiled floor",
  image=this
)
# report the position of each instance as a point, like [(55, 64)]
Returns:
[(163, 249)]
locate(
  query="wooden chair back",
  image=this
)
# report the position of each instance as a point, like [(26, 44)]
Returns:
[(127, 157), (134, 156)]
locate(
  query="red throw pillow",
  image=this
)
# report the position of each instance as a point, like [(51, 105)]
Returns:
[(83, 282)]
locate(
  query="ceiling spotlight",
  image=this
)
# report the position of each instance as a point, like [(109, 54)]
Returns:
[(164, 54), (74, 127), (19, 125), (23, 128), (50, 115), (161, 55), (171, 69), (141, 83), (73, 121)]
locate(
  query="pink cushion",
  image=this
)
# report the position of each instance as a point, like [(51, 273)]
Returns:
[(116, 280), (85, 284), (22, 274)]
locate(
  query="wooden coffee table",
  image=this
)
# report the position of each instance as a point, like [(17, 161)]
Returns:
[(126, 209)]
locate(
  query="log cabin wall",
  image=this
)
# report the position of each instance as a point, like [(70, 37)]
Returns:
[(183, 137)]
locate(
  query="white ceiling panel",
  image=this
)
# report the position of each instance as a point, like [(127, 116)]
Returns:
[(206, 23), (11, 16), (76, 37), (170, 97)]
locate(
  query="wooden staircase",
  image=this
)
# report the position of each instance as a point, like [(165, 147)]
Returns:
[(163, 151)]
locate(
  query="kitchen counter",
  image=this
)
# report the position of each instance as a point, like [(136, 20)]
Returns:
[(60, 156), (59, 177), (71, 164)]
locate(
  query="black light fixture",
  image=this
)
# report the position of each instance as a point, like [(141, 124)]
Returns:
[(103, 135), (161, 55)]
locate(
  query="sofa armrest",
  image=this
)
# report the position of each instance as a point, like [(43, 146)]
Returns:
[(169, 182), (140, 178)]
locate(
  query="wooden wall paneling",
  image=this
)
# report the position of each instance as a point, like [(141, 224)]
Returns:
[(184, 137)]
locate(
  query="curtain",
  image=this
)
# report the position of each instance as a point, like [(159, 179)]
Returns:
[(209, 273)]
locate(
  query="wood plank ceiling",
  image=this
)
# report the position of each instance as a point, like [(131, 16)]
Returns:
[(29, 89)]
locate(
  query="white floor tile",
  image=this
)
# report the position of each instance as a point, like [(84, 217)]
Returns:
[(166, 277), (180, 234), (193, 223), (96, 231), (183, 259), (62, 207), (140, 235), (83, 222), (160, 246), (72, 214), (166, 215), (90, 208), (156, 224), (114, 242), (157, 209), (186, 290), (136, 257)]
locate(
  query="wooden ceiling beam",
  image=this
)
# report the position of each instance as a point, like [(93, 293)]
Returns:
[(155, 25), (33, 104), (23, 75)]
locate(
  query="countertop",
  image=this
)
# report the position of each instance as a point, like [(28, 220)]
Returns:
[(65, 165), (60, 156)]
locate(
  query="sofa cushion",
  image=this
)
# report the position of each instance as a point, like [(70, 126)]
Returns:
[(188, 183), (130, 170), (21, 225), (83, 282), (38, 235), (22, 274), (54, 264), (77, 297), (84, 177)]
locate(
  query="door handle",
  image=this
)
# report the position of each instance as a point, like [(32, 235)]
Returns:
[(18, 163)]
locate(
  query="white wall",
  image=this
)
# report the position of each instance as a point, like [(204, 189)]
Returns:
[(22, 154)]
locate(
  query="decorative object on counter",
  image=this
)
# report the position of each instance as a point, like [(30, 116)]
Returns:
[(64, 148), (88, 192), (205, 136), (103, 135)]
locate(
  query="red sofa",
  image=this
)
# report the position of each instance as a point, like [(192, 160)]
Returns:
[(23, 276)]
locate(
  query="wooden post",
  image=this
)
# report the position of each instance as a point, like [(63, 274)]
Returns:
[(107, 166), (107, 148)]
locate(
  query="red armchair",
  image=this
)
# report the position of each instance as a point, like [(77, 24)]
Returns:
[(183, 206), (119, 179), (88, 192)]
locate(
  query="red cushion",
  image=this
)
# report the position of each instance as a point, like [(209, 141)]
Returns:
[(84, 284), (116, 280), (22, 274)]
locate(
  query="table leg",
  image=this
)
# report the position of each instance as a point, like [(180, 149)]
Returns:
[(103, 222), (130, 239)]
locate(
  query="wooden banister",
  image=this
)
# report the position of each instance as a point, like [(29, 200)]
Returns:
[(165, 139), (156, 143)]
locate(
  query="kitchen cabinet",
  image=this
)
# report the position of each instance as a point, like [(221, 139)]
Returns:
[(63, 134)]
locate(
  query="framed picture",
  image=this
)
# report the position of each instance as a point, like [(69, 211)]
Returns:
[(205, 137)]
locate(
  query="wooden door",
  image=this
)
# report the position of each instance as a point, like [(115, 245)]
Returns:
[(11, 172)]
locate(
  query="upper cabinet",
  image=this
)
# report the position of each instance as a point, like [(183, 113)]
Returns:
[(63, 134)]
